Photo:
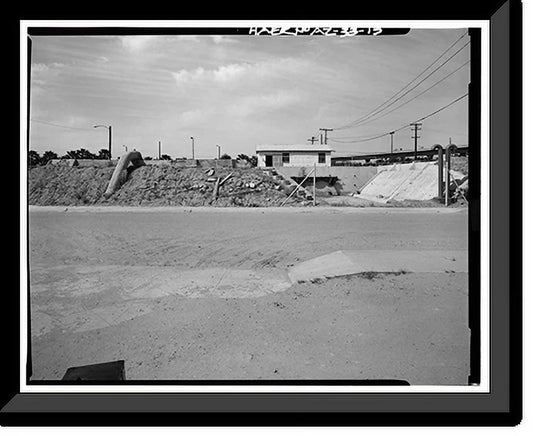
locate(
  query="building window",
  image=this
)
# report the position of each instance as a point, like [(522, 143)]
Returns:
[(321, 157), (285, 158)]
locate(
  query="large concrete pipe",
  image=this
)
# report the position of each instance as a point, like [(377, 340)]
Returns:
[(136, 160), (449, 149), (440, 171)]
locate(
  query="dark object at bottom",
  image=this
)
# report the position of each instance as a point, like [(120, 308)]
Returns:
[(98, 371), (380, 382)]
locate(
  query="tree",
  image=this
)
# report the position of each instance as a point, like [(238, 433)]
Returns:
[(82, 153), (148, 158), (252, 160), (48, 156), (33, 158), (103, 154), (166, 157), (225, 156)]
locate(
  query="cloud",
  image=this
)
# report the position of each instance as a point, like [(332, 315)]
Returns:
[(135, 44), (39, 68), (239, 90), (191, 117), (42, 67), (42, 73), (185, 77), (230, 72), (142, 43), (223, 74), (254, 104), (238, 72), (239, 108), (217, 39)]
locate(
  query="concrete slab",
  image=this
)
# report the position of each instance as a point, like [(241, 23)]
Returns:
[(331, 265), (86, 298), (346, 262), (415, 181)]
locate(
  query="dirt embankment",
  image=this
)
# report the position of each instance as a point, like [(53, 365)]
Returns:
[(153, 186), (55, 185)]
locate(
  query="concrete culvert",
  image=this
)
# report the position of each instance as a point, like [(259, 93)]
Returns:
[(136, 160)]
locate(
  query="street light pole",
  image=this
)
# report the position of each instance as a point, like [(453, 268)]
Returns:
[(110, 142), (110, 136), (192, 139)]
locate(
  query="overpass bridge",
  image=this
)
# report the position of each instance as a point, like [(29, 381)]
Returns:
[(462, 150)]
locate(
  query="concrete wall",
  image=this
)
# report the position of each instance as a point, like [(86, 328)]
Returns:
[(344, 179), (221, 163), (414, 181), (158, 162), (83, 162), (296, 159), (193, 163)]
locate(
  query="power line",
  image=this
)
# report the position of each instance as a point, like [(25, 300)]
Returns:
[(369, 138), (415, 97), (371, 115), (58, 125), (442, 108), (405, 126), (411, 82)]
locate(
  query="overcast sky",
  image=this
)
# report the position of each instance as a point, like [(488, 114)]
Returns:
[(240, 91)]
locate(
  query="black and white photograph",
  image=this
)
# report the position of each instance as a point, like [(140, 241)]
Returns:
[(280, 204), (239, 221)]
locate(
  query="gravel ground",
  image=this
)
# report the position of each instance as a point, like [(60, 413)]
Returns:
[(196, 294)]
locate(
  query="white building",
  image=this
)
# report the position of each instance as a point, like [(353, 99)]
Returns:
[(293, 155)]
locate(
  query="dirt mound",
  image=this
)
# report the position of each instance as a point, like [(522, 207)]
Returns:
[(154, 186), (63, 185)]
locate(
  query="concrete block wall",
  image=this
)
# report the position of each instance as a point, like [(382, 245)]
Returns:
[(296, 159), (345, 180), (299, 159)]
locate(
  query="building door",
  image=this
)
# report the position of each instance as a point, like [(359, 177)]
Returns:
[(268, 160), (277, 160)]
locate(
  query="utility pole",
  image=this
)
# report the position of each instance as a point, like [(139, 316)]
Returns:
[(314, 185), (391, 141), (326, 135), (159, 151), (110, 136), (192, 139), (312, 140), (416, 127)]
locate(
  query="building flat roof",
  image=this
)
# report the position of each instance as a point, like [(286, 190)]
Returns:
[(293, 147)]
